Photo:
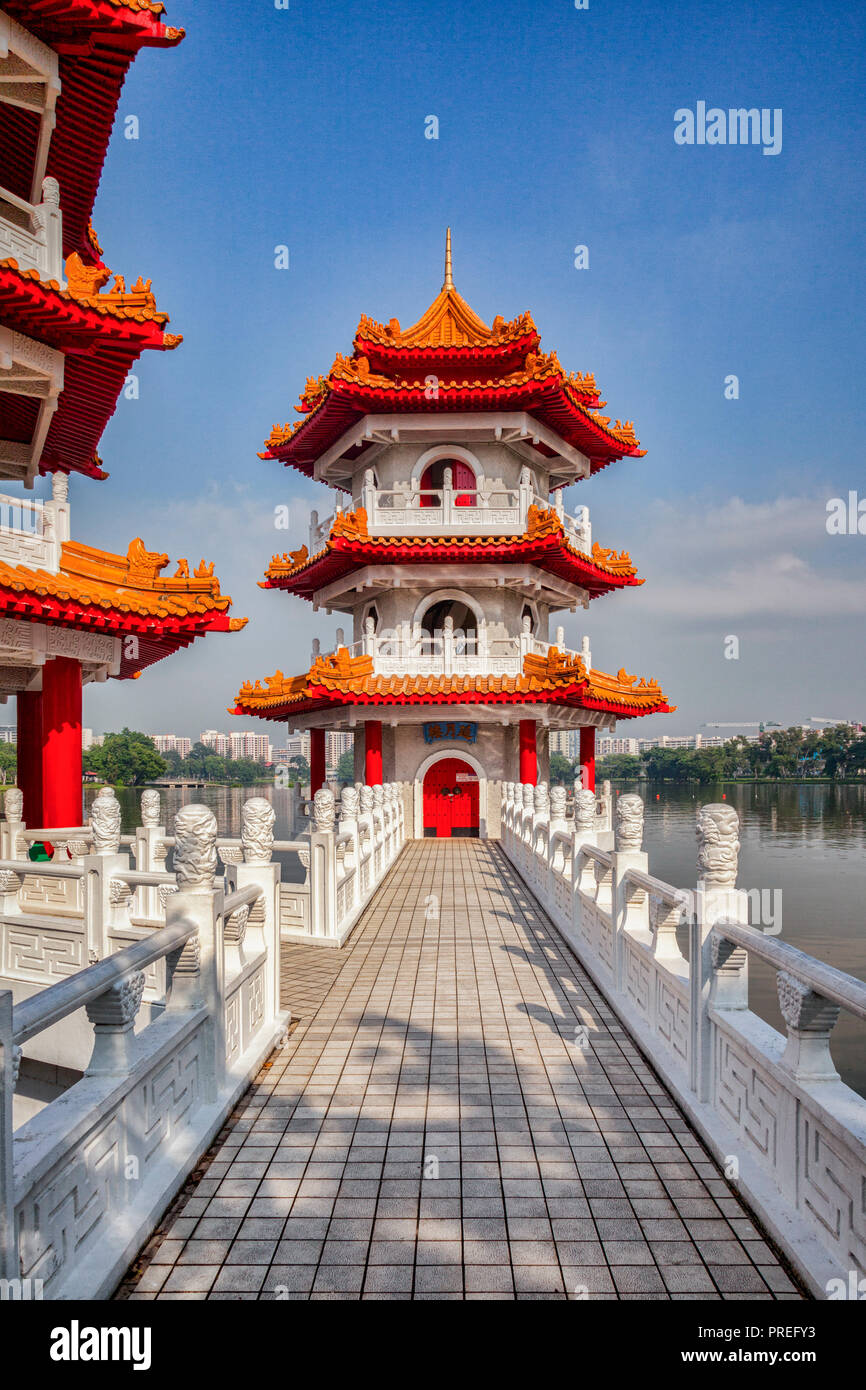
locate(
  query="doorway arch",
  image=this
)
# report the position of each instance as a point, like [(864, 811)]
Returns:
[(459, 755)]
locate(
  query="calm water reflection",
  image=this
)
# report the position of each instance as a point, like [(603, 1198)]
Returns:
[(805, 843)]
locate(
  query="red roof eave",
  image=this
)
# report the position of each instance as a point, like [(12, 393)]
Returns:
[(348, 402), (344, 555)]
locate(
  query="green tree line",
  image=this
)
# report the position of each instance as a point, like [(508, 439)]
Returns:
[(839, 752)]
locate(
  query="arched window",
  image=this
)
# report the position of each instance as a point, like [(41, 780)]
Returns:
[(528, 612), (463, 626), (433, 478)]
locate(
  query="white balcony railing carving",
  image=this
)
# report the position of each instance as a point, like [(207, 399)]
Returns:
[(32, 233), (491, 508), (449, 651)]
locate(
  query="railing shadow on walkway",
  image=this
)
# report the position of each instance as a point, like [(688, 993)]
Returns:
[(484, 1156)]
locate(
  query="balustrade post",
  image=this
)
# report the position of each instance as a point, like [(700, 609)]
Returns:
[(258, 867), (716, 899), (113, 1017), (810, 1020), (196, 972), (348, 825), (149, 850), (585, 833), (555, 858), (540, 836), (368, 494), (323, 866), (105, 860), (10, 1058), (447, 496), (12, 826), (448, 646), (629, 905), (524, 490)]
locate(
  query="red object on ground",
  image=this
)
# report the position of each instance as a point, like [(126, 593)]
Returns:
[(373, 752), (587, 757), (61, 742)]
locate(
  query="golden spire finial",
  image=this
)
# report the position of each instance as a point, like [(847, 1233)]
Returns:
[(448, 283)]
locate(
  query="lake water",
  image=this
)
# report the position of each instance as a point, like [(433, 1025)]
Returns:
[(803, 846)]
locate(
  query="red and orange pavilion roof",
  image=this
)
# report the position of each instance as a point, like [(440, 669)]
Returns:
[(101, 333), (544, 544), (96, 41), (559, 678), (120, 596), (474, 368)]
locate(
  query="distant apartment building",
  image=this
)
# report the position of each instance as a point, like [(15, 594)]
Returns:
[(607, 746), (250, 745), (337, 742), (9, 734), (173, 743), (220, 743), (566, 742), (298, 745)]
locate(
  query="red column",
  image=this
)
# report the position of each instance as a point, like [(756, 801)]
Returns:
[(528, 752), (373, 752), (61, 742), (587, 758), (30, 754), (317, 760)]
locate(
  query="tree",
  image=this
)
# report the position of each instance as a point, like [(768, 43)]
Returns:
[(346, 768), (126, 759), (561, 770), (8, 763), (621, 765), (301, 768)]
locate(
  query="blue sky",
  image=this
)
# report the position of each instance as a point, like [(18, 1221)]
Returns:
[(305, 127)]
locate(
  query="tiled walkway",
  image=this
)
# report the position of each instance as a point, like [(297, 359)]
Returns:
[(433, 1129)]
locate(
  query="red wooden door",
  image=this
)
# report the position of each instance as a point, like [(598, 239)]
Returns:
[(461, 476), (451, 800)]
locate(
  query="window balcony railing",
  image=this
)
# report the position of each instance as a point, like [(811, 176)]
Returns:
[(32, 532), (32, 233), (491, 508), (449, 651)]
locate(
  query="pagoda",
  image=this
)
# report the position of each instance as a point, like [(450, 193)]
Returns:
[(450, 551), (70, 331)]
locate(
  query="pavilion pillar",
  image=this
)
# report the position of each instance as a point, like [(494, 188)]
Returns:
[(528, 752), (373, 752), (317, 760), (30, 754), (61, 742), (587, 758)]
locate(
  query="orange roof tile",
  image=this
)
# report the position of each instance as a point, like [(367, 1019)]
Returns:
[(130, 584), (541, 522), (341, 678)]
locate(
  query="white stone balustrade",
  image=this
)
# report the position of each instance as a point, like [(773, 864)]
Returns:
[(449, 652), (490, 508), (84, 1181), (32, 233), (674, 965), (32, 531)]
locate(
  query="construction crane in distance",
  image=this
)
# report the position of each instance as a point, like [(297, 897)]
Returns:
[(744, 724)]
